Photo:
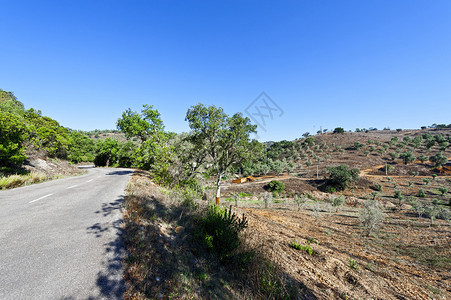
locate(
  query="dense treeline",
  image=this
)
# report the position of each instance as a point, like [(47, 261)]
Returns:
[(27, 129), (217, 144)]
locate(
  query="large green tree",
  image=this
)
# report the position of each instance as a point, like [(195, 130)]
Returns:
[(153, 152), (144, 125), (222, 140)]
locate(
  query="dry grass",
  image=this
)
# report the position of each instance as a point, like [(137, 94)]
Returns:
[(13, 181)]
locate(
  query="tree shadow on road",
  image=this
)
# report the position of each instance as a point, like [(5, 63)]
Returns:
[(109, 280), (123, 172)]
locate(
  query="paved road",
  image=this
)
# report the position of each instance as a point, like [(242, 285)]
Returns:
[(61, 239)]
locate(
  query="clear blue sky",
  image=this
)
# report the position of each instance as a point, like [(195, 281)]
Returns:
[(324, 63)]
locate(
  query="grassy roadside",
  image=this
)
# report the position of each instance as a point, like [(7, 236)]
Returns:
[(172, 254), (18, 180), (13, 181)]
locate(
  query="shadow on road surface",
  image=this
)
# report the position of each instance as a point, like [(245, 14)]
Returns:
[(109, 281), (123, 172)]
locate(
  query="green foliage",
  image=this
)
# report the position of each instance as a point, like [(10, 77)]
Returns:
[(143, 125), (276, 186), (438, 159), (307, 248), (106, 152), (224, 140), (337, 201), (358, 146), (341, 177), (46, 134), (219, 231), (378, 187), (80, 147), (426, 181), (407, 157), (11, 141), (353, 264), (422, 158), (398, 195), (443, 190), (339, 130), (421, 193)]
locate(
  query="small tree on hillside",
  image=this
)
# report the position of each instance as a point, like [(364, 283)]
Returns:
[(371, 215), (341, 177), (438, 159), (225, 139), (339, 130), (407, 157)]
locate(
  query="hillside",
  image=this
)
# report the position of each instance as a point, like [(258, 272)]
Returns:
[(407, 257)]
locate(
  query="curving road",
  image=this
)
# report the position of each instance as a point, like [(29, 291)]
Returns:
[(62, 239)]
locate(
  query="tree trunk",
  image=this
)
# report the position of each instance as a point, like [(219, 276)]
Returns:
[(218, 189)]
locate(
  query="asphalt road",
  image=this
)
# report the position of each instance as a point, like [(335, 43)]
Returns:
[(62, 239)]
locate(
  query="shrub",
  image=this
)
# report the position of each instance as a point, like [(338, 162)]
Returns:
[(421, 193), (443, 190), (339, 130), (426, 181), (407, 157), (358, 145), (353, 264), (341, 177), (307, 248), (439, 159), (275, 186), (393, 155), (337, 201), (371, 215), (378, 187), (219, 231), (300, 201), (422, 158), (11, 139), (398, 195)]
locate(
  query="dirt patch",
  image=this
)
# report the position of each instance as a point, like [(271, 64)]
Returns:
[(292, 185)]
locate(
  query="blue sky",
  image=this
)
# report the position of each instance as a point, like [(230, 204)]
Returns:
[(324, 63)]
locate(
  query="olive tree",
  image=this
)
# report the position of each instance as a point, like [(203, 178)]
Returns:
[(407, 157), (224, 139)]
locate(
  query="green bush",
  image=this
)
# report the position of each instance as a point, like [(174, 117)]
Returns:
[(421, 193), (378, 187), (11, 142), (341, 177), (407, 157), (438, 159), (275, 186), (339, 130), (219, 231)]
